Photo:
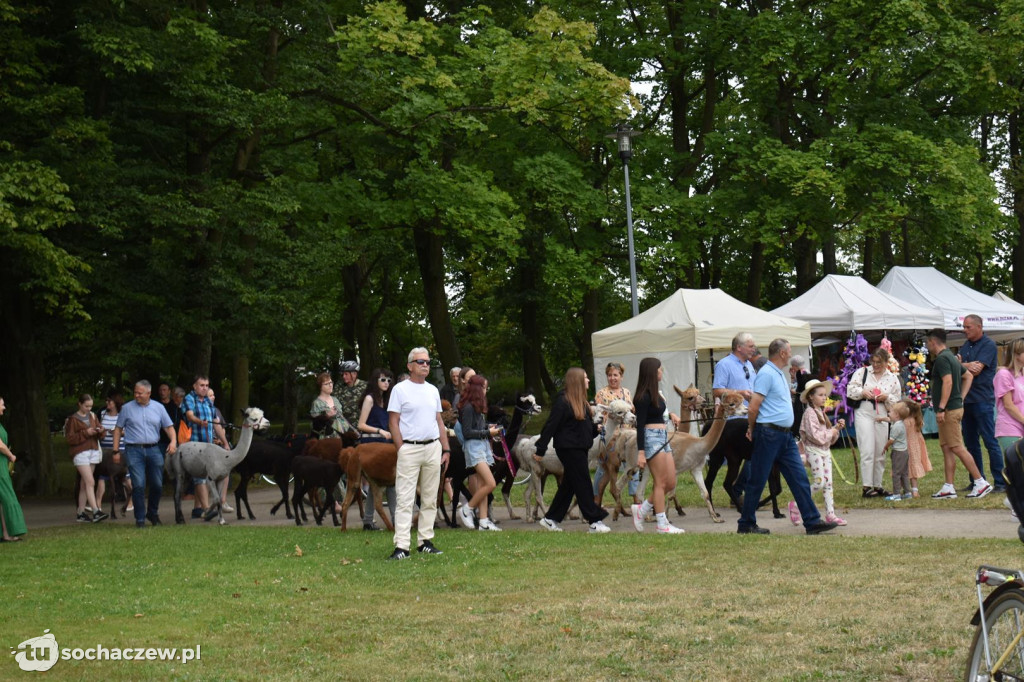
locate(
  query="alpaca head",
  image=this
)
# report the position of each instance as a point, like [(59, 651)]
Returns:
[(731, 403), (254, 419), (691, 398), (618, 411), (527, 404), (448, 414)]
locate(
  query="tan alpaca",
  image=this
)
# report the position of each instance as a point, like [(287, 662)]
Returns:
[(690, 402), (689, 452)]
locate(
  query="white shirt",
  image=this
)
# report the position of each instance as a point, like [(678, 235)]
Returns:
[(417, 406)]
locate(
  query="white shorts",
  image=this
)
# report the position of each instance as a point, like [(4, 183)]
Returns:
[(87, 457)]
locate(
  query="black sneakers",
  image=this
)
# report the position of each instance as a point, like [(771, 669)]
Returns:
[(821, 527), (99, 515), (83, 517), (428, 548), (399, 554), (753, 530)]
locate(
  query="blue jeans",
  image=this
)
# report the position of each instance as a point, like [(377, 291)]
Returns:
[(146, 465), (770, 447), (979, 420)]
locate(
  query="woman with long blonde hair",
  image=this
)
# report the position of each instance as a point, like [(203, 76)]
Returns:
[(1009, 389), (573, 430)]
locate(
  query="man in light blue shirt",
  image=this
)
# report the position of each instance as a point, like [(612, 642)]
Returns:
[(769, 420), (140, 423)]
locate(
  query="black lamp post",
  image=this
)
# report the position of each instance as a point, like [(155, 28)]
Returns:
[(622, 136)]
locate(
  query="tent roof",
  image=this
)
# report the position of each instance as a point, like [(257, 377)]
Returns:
[(1000, 296), (692, 319), (840, 303), (930, 287)]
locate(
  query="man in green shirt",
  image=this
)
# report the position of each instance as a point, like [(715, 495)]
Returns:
[(950, 383)]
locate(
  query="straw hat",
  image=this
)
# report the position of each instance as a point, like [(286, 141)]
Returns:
[(813, 384)]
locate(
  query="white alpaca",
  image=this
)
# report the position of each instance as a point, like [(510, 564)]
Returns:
[(212, 462)]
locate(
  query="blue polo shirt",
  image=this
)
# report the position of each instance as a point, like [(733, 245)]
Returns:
[(984, 351), (733, 374), (142, 423), (777, 407)]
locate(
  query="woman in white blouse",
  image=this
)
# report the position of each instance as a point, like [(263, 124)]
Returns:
[(877, 388)]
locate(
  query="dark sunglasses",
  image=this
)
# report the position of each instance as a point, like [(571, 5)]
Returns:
[(746, 372), (420, 361)]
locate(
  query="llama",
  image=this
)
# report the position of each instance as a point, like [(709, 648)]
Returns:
[(690, 403), (313, 472), (271, 457), (212, 462), (615, 415), (550, 465), (377, 462), (690, 452), (625, 444)]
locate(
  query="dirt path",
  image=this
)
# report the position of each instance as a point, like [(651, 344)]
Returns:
[(954, 523)]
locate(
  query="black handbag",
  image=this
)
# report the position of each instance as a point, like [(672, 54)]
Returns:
[(854, 404)]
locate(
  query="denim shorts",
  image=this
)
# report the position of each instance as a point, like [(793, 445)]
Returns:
[(653, 440), (478, 450)]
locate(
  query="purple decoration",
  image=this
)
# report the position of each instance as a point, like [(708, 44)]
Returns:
[(855, 356)]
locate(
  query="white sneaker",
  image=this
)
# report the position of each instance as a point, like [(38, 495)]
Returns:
[(226, 508), (669, 529), (638, 517), (599, 527), (550, 525), (981, 489), (466, 516), (946, 492), (487, 524), (1006, 503)]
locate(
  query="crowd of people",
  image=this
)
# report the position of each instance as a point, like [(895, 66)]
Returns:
[(976, 403)]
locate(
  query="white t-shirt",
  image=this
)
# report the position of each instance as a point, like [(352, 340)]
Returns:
[(417, 406)]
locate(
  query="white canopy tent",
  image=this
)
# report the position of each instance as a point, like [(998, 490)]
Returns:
[(929, 287), (1000, 296), (841, 303), (690, 324)]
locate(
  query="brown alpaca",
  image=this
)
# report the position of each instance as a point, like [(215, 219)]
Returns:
[(377, 462), (690, 403), (690, 452)]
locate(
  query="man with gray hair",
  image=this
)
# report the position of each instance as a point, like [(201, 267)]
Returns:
[(734, 372), (414, 419), (140, 422), (768, 425), (451, 389)]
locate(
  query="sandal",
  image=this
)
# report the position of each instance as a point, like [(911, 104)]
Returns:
[(870, 492), (882, 492)]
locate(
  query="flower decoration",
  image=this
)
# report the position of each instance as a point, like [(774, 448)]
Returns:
[(916, 374), (855, 356)]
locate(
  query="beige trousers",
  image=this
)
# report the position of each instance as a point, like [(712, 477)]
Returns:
[(417, 464)]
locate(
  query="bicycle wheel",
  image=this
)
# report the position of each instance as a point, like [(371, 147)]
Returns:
[(1005, 618), (522, 476), (271, 481)]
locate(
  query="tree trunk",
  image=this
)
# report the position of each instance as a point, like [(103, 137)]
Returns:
[(1016, 183), (885, 246), (828, 255), (430, 257), (868, 259), (590, 322), (289, 401), (23, 387), (806, 257), (756, 274)]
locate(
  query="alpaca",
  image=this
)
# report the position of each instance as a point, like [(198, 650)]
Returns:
[(270, 457), (212, 462), (690, 452), (625, 444), (314, 472), (377, 462), (690, 403), (550, 465), (603, 453)]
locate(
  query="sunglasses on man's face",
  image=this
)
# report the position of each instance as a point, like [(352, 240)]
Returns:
[(421, 361)]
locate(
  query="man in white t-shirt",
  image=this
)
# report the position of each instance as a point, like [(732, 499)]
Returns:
[(414, 419)]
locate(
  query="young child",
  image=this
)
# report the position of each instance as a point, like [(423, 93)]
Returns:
[(817, 434), (918, 464), (900, 456)]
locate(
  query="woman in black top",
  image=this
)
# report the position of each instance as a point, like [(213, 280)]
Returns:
[(653, 450), (477, 436), (574, 431)]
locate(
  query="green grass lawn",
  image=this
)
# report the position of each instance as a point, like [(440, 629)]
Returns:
[(513, 605)]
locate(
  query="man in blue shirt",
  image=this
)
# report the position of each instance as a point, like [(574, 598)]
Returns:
[(978, 356), (734, 372), (141, 422), (769, 421)]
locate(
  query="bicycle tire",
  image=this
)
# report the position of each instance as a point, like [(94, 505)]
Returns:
[(522, 476), (271, 481), (1005, 618)]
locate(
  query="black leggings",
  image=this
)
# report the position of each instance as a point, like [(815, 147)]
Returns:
[(575, 482)]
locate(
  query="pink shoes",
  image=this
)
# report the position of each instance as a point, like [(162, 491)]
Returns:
[(794, 513), (832, 518)]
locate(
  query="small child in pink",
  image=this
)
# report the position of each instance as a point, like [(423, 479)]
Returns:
[(817, 434)]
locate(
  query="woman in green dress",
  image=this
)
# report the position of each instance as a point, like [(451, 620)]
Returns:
[(12, 522)]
